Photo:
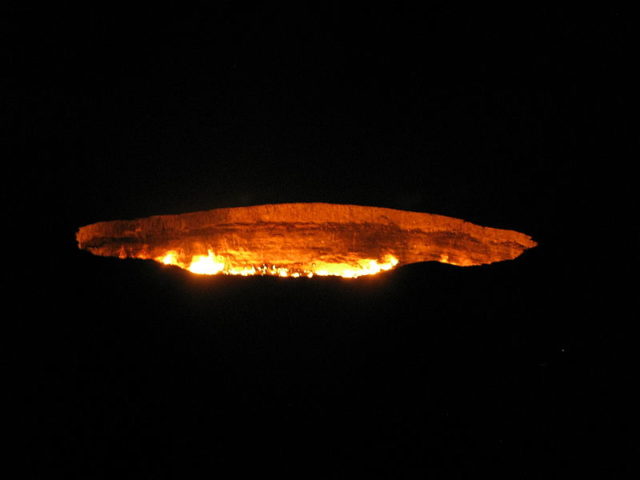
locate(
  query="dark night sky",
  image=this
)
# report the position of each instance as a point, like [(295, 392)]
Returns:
[(507, 118)]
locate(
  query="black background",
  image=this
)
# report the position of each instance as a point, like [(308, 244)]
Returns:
[(507, 118)]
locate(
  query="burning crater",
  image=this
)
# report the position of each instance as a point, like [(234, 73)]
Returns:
[(302, 239)]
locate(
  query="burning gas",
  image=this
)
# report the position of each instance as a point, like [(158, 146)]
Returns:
[(301, 239)]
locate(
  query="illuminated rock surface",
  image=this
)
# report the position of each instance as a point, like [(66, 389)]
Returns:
[(302, 239)]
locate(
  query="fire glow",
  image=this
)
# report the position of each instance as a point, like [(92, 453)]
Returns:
[(212, 264), (301, 240)]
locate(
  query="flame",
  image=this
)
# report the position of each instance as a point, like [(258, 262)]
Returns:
[(212, 264), (362, 267), (209, 264)]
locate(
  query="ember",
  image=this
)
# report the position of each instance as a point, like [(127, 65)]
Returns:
[(302, 239)]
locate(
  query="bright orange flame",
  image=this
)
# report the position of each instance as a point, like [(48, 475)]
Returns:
[(365, 266), (212, 264), (208, 264)]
